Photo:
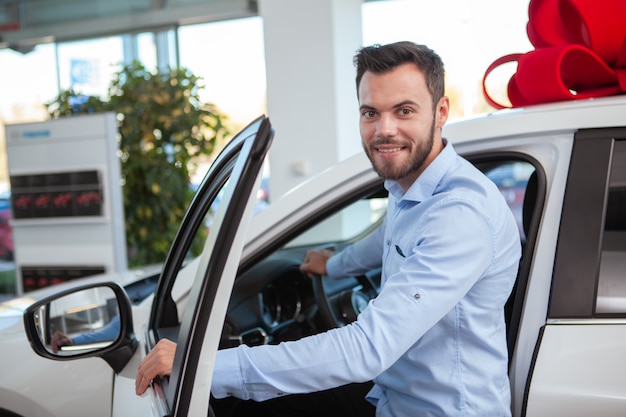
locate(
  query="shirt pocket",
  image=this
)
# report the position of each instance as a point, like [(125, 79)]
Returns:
[(399, 251)]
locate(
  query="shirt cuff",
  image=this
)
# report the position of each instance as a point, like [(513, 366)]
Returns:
[(333, 266), (227, 377)]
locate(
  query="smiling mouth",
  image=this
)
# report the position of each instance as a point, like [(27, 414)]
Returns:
[(389, 150)]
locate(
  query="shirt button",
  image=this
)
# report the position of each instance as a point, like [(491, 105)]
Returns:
[(417, 296)]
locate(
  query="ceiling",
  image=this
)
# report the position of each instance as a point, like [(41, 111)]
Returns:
[(26, 23)]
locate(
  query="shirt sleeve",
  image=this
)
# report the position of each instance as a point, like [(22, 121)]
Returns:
[(360, 257), (311, 364), (109, 332)]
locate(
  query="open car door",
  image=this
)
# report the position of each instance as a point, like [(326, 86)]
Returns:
[(228, 194)]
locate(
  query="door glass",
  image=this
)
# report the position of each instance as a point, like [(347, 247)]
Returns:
[(511, 177), (185, 276), (612, 280)]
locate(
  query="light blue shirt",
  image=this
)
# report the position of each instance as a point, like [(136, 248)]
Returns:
[(433, 341), (110, 331)]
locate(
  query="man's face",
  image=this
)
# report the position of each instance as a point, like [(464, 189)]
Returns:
[(400, 132)]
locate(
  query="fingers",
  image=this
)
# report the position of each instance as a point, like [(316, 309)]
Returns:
[(58, 340), (158, 362), (315, 262)]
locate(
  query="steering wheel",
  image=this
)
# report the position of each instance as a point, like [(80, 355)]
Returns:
[(342, 309)]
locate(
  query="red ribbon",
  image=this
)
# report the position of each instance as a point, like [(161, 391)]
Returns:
[(580, 52)]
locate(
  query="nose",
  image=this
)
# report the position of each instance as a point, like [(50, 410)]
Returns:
[(387, 126)]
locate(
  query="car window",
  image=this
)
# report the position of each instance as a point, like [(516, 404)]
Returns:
[(348, 224), (611, 296), (511, 177), (185, 275)]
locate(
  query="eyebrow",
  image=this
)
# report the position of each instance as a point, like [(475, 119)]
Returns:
[(406, 102), (395, 106)]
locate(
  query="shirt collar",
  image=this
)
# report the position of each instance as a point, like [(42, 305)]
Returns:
[(424, 186)]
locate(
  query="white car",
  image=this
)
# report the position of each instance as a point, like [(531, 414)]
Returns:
[(566, 316)]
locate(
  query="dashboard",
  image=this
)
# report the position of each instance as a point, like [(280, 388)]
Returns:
[(274, 302)]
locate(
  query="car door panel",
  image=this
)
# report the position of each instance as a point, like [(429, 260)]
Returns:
[(238, 177), (125, 402), (580, 371)]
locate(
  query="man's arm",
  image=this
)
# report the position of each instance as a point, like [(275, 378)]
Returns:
[(109, 332), (360, 257)]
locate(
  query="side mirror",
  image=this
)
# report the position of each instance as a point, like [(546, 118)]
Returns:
[(88, 321)]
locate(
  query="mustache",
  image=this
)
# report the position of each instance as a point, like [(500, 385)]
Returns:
[(386, 141)]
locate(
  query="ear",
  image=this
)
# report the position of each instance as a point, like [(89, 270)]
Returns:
[(442, 111)]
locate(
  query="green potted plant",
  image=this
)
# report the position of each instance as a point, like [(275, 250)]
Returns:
[(164, 131)]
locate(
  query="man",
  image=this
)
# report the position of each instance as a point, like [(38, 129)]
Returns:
[(433, 341)]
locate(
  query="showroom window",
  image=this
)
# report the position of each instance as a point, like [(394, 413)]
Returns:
[(230, 57), (26, 81), (87, 67)]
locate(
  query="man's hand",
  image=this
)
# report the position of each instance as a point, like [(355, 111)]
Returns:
[(315, 262), (158, 362), (58, 340)]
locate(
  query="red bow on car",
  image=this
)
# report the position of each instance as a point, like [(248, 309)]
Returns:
[(580, 52)]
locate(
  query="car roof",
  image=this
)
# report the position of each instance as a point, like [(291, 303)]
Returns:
[(566, 116)]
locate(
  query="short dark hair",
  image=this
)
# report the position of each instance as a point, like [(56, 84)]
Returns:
[(382, 58)]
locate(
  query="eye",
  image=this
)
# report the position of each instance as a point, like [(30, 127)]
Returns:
[(368, 114), (405, 111)]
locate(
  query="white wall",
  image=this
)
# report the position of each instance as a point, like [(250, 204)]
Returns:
[(311, 99)]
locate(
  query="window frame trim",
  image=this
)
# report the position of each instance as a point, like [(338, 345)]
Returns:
[(575, 275)]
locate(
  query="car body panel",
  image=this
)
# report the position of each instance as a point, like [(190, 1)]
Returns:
[(580, 370), (124, 382)]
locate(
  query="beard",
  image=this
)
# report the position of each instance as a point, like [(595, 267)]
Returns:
[(390, 170)]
